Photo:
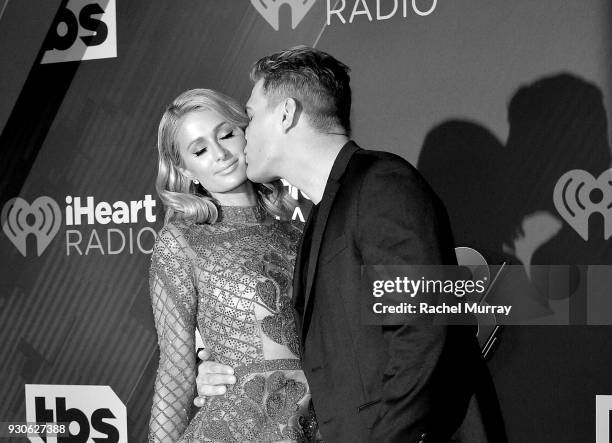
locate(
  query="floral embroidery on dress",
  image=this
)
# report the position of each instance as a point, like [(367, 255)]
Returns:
[(280, 324)]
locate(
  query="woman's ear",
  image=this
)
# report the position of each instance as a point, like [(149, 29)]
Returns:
[(185, 173)]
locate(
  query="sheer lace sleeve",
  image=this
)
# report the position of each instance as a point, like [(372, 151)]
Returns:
[(174, 297)]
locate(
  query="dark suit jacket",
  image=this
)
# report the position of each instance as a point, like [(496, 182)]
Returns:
[(372, 383)]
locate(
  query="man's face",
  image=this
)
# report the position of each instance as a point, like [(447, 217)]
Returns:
[(262, 137)]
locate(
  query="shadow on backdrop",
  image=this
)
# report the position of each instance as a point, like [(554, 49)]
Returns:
[(461, 162), (500, 201), (557, 124)]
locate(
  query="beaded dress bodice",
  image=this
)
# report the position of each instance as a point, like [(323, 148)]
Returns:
[(231, 280)]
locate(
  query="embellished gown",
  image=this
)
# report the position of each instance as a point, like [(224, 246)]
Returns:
[(231, 280)]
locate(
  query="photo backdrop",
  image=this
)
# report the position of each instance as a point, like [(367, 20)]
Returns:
[(492, 101)]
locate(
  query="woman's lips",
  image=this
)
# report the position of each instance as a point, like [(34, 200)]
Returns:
[(229, 168)]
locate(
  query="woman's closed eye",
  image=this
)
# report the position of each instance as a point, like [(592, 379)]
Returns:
[(227, 136), (200, 151)]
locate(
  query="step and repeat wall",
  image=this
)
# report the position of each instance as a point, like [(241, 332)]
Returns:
[(497, 103)]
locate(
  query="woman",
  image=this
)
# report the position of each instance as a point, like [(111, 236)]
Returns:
[(222, 264)]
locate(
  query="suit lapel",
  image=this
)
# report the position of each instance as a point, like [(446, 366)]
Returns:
[(317, 236), (319, 225), (300, 259)]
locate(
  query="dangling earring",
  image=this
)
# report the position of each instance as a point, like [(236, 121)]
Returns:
[(195, 182)]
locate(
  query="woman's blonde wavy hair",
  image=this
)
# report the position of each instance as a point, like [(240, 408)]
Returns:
[(182, 199)]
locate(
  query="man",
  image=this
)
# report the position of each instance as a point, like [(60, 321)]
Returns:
[(402, 383)]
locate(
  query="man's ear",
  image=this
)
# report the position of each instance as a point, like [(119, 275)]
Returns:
[(289, 114)]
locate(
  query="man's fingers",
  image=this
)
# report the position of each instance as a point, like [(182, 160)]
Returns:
[(204, 354), (215, 379), (211, 390), (212, 367), (212, 378), (199, 401)]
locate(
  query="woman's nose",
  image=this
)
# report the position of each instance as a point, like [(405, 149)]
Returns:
[(221, 153)]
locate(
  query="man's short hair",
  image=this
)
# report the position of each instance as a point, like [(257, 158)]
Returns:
[(315, 79)]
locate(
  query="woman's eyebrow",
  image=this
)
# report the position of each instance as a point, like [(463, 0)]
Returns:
[(193, 142), (200, 139)]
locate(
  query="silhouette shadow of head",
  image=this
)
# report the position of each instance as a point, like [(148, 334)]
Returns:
[(557, 124), (461, 161)]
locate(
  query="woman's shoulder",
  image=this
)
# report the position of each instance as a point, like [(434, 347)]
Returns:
[(296, 225), (291, 229), (171, 231), (187, 235), (172, 236), (289, 224)]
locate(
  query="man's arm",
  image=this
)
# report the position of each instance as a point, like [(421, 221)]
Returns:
[(400, 222)]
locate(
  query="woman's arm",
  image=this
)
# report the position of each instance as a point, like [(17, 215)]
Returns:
[(174, 298)]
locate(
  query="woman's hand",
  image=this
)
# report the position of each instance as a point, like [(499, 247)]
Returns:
[(212, 378)]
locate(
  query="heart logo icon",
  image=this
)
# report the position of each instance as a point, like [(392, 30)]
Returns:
[(578, 194), (42, 219), (270, 10)]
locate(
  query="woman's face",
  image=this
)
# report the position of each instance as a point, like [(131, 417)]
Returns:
[(212, 150)]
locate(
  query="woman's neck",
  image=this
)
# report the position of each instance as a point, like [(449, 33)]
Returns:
[(243, 195)]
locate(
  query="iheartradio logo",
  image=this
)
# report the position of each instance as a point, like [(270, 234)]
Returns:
[(102, 227), (578, 194), (42, 218)]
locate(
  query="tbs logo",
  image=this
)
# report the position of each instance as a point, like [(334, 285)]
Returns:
[(92, 413), (82, 30), (603, 414)]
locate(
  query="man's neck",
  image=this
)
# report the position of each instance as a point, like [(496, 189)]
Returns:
[(311, 163)]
